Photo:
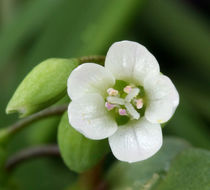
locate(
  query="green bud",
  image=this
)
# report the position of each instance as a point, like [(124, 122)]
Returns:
[(78, 152), (42, 87)]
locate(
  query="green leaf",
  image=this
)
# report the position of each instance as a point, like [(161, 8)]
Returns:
[(189, 171), (42, 174), (43, 86), (138, 176), (78, 152), (187, 124)]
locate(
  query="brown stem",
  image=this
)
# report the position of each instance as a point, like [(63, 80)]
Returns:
[(93, 58), (30, 153), (93, 179), (55, 110)]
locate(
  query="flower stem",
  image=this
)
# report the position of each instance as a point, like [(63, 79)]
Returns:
[(30, 153), (92, 179), (93, 59), (5, 133)]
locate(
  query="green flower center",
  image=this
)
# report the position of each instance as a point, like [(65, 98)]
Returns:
[(125, 101)]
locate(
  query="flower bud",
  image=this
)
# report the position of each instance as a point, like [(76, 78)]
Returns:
[(78, 152), (43, 86)]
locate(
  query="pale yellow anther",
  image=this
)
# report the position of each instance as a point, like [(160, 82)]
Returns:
[(127, 89), (139, 103), (112, 92)]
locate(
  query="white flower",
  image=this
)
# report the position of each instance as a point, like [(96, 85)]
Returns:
[(126, 101)]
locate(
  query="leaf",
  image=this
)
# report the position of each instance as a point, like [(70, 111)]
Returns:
[(43, 86), (189, 171), (138, 176), (78, 152), (42, 174), (187, 124)]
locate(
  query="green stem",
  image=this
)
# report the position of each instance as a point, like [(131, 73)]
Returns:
[(21, 124), (93, 59)]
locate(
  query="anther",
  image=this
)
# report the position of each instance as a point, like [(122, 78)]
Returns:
[(139, 103), (122, 111), (112, 92), (127, 89), (109, 106)]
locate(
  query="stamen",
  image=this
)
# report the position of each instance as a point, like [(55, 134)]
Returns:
[(115, 100), (122, 112), (125, 104), (112, 92), (109, 106), (134, 114), (127, 89), (133, 93), (139, 103)]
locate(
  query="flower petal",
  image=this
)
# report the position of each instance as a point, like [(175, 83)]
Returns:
[(89, 116), (136, 141), (89, 78), (163, 98), (131, 61), (159, 111), (159, 86)]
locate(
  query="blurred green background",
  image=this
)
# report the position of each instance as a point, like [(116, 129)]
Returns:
[(177, 32)]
